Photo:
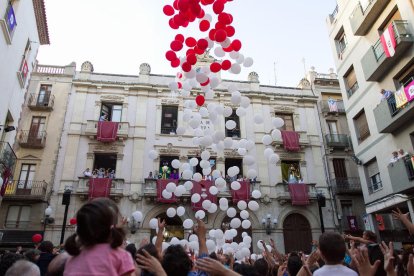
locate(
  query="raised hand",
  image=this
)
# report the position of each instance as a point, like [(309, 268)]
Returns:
[(150, 263), (361, 260), (388, 252), (213, 267), (397, 214), (161, 224)]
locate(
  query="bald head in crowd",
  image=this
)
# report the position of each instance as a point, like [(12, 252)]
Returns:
[(23, 267)]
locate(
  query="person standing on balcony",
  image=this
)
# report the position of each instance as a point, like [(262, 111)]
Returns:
[(402, 154), (103, 118), (87, 173), (385, 94), (394, 157)]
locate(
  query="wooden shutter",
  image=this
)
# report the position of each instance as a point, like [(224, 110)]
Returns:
[(362, 126), (339, 168), (372, 168), (351, 78)]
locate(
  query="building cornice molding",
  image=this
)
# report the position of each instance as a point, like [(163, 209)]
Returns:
[(41, 21)]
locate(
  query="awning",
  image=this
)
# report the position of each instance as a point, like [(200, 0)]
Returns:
[(385, 203)]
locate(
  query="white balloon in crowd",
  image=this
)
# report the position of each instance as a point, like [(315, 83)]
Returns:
[(242, 205), (171, 212), (188, 185), (180, 211), (235, 185), (188, 223), (153, 223), (278, 122), (231, 212), (256, 194), (153, 154), (171, 187)]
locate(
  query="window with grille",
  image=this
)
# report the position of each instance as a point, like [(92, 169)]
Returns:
[(361, 126), (351, 82), (341, 42), (373, 176)]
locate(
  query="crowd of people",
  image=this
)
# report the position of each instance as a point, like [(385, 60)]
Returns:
[(397, 155), (99, 248), (99, 173)]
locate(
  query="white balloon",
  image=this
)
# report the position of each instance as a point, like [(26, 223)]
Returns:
[(231, 212), (235, 97), (153, 154), (180, 211), (245, 102), (195, 198), (278, 122), (219, 109), (166, 194), (273, 158), (193, 161), (207, 171), (187, 174), (211, 245), (253, 205), (256, 194), (235, 223), (246, 224), (234, 54), (205, 155), (228, 142), (203, 112), (205, 164), (240, 59), (175, 164), (268, 152), (220, 182), (180, 130), (216, 174), (248, 160), (185, 166), (194, 123), (206, 204), (235, 68), (260, 245), (179, 191), (244, 214), (242, 151), (240, 111), (171, 212), (212, 209), (214, 82), (197, 177), (198, 132), (276, 134), (137, 215), (201, 77), (213, 190), (258, 119), (267, 140), (233, 171), (252, 173), (153, 223), (227, 111), (242, 205), (188, 223), (200, 214), (250, 145), (188, 185), (174, 241), (230, 124), (184, 243), (219, 52), (218, 234), (196, 141), (235, 185), (247, 240), (223, 201), (219, 135), (248, 62)]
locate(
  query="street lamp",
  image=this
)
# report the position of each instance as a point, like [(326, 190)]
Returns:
[(47, 219), (65, 201), (321, 203), (135, 221), (268, 223)]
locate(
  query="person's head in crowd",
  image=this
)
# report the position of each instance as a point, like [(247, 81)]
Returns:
[(96, 224), (294, 264), (369, 236), (261, 267), (213, 256), (176, 262), (332, 247), (23, 268), (132, 249), (244, 269), (57, 265), (32, 255), (7, 260), (46, 247)]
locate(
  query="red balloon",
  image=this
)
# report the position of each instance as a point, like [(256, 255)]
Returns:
[(73, 221), (36, 238), (190, 52), (180, 38), (225, 64), (204, 25), (180, 85), (170, 55), (224, 18), (218, 7), (201, 13), (172, 24), (186, 67), (176, 45), (228, 49), (220, 36), (198, 50), (211, 34), (190, 42), (205, 83), (236, 44), (230, 31), (202, 44), (175, 4), (179, 75), (183, 5), (178, 19), (175, 63), (219, 26), (168, 10), (200, 100), (215, 67), (192, 59)]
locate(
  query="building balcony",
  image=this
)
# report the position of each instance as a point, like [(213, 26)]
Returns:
[(365, 15), (19, 190), (360, 226), (333, 109), (13, 238), (332, 17), (117, 188), (376, 64), (41, 102), (337, 140), (30, 139), (389, 118), (283, 194), (402, 175), (92, 129), (7, 157), (346, 186)]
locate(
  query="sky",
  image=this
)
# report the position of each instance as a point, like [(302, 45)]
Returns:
[(117, 36)]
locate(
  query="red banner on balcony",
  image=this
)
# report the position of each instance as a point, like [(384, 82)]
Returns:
[(299, 194), (290, 140), (380, 222), (409, 91), (6, 175), (352, 223), (99, 187), (161, 184), (107, 131), (388, 41), (243, 193), (201, 188)]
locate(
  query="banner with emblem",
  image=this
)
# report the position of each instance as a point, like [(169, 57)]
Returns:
[(409, 91), (400, 98)]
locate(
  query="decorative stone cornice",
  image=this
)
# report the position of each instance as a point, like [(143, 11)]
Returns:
[(115, 98), (170, 101), (41, 21)]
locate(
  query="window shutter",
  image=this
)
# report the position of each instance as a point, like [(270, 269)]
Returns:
[(372, 168)]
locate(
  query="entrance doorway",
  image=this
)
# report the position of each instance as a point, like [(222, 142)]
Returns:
[(297, 234), (174, 227)]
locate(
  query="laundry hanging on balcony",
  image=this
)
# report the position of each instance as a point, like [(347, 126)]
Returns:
[(99, 187), (203, 189), (299, 194), (241, 194), (352, 223), (107, 131), (6, 175), (400, 98), (161, 185), (290, 140), (409, 91), (388, 41)]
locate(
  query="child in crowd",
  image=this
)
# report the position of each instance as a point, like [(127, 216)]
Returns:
[(96, 246)]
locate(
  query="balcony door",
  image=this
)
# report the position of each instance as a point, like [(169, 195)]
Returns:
[(44, 95), (333, 131), (341, 177), (36, 130), (25, 183)]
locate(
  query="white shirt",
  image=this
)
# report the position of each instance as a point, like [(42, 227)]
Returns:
[(337, 270)]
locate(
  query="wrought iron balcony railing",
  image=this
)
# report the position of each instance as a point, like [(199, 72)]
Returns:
[(26, 190), (349, 185), (32, 139), (41, 101), (337, 140)]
